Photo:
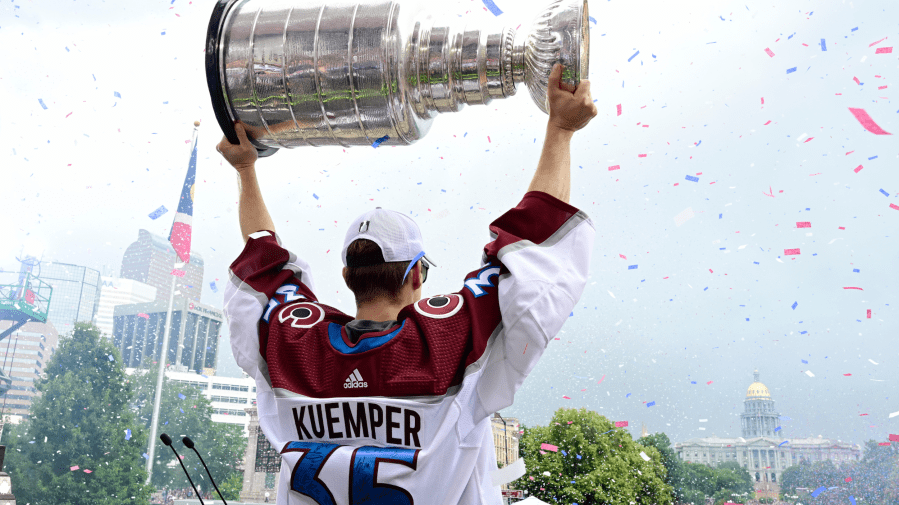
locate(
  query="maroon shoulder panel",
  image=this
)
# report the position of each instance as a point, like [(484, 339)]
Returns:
[(536, 218)]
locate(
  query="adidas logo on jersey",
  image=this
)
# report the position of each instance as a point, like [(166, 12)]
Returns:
[(355, 380)]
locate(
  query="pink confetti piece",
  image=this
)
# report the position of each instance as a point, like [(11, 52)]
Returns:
[(862, 116), (882, 87), (73, 468), (894, 206), (847, 375), (615, 167), (859, 168), (619, 109), (848, 479), (565, 397), (869, 313), (69, 114), (860, 289), (641, 155), (884, 50), (88, 471), (620, 424), (884, 443), (178, 273), (708, 383), (791, 252), (622, 256), (857, 81), (770, 52), (842, 227), (766, 124), (803, 224), (525, 348), (600, 380), (549, 447), (850, 152), (763, 100), (488, 139), (872, 44), (145, 316), (894, 438), (808, 140)]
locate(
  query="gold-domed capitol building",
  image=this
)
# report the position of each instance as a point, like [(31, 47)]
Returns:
[(764, 448)]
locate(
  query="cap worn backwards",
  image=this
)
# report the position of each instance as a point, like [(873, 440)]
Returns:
[(396, 234)]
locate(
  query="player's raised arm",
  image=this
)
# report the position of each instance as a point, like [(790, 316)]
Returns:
[(253, 214), (570, 109)]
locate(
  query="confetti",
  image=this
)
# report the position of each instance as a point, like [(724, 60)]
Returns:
[(41, 101), (809, 373), (213, 287), (884, 193), (852, 287), (894, 438), (88, 471), (883, 50), (803, 224), (634, 56), (158, 212), (791, 70), (492, 7), (770, 52), (619, 108), (858, 169), (782, 443), (872, 361), (862, 116), (178, 273), (894, 206), (791, 252), (644, 456), (795, 304), (823, 45), (116, 94), (620, 424), (632, 267), (181, 396), (684, 216), (691, 178), (145, 316), (894, 414), (385, 138), (128, 434), (72, 469), (549, 447), (650, 404)]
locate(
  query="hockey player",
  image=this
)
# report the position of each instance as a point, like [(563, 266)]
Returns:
[(392, 406)]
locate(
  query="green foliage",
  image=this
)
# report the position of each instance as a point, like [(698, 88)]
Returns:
[(79, 421), (609, 471), (221, 445), (232, 487)]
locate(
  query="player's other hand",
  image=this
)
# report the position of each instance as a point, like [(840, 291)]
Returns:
[(241, 156), (570, 107)]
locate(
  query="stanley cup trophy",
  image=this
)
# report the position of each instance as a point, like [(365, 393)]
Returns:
[(339, 73)]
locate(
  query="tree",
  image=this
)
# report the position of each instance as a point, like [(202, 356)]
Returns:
[(874, 477), (595, 463), (232, 487), (673, 467), (74, 448), (183, 412)]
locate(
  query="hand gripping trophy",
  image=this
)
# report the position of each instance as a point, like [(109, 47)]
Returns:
[(337, 73)]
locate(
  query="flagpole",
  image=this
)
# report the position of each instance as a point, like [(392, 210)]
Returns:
[(151, 451)]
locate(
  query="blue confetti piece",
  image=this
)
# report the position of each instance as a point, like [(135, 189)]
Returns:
[(706, 289), (782, 443), (823, 45), (94, 76), (380, 141), (593, 20), (632, 267), (466, 134), (650, 404), (791, 70), (571, 315), (182, 410), (564, 453), (720, 216), (803, 332), (777, 429), (854, 29), (181, 396), (110, 357), (756, 262), (145, 456), (856, 270), (852, 499), (67, 50), (578, 456), (492, 7), (41, 101), (128, 434), (884, 193), (818, 491), (691, 178), (872, 158), (654, 57), (158, 212), (795, 304), (116, 94), (628, 395), (163, 33), (629, 59), (722, 18), (697, 144), (213, 287), (315, 196)]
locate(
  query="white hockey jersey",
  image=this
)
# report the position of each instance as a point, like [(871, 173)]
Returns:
[(402, 415)]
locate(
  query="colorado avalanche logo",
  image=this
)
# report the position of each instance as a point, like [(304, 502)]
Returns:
[(440, 306), (303, 315)]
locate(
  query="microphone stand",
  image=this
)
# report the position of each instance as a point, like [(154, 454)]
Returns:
[(167, 440), (190, 445)]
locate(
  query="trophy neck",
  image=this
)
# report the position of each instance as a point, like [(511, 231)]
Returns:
[(449, 68)]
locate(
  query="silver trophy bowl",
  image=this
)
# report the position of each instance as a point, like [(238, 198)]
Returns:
[(331, 73)]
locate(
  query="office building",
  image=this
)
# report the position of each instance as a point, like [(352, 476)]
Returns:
[(23, 356), (139, 328), (76, 293), (763, 449), (151, 259), (114, 292), (230, 396)]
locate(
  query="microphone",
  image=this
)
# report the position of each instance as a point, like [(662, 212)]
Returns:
[(167, 440), (190, 445)]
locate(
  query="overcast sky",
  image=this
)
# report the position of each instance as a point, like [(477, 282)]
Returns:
[(710, 300)]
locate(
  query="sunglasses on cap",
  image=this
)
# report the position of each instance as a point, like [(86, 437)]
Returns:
[(424, 270)]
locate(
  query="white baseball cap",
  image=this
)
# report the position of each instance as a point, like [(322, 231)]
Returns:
[(396, 234)]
